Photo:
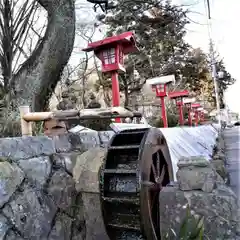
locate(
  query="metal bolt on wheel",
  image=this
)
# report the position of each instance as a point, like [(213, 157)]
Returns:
[(137, 166)]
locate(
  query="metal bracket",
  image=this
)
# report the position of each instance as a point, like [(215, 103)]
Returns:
[(103, 7), (172, 184)]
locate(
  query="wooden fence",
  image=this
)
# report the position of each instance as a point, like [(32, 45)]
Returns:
[(27, 117)]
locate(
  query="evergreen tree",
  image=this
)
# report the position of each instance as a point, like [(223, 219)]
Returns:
[(160, 28), (223, 82)]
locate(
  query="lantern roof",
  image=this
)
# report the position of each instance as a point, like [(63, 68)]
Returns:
[(161, 80), (205, 111), (178, 94), (189, 100), (98, 1), (127, 40), (196, 105)]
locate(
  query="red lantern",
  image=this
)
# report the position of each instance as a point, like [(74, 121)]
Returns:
[(188, 103), (178, 97), (111, 51), (112, 59), (195, 106), (160, 89), (201, 114), (159, 86)]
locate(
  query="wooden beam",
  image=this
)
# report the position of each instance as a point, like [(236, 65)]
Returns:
[(37, 116), (26, 127), (98, 113)]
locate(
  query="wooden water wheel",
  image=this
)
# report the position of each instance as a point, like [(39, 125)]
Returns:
[(137, 166)]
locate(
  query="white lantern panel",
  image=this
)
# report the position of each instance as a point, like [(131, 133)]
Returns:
[(109, 56), (220, 75)]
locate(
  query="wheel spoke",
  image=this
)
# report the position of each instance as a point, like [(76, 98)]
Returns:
[(152, 187), (161, 178), (158, 165), (148, 183), (154, 172), (153, 199)]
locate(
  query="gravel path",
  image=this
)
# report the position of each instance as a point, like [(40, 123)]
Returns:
[(232, 140)]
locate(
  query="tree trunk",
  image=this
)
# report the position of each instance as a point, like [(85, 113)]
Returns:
[(35, 81)]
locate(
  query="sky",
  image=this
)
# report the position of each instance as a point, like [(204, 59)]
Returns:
[(225, 34)]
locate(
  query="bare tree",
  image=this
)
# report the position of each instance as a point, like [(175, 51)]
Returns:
[(14, 27), (76, 75), (35, 80), (87, 33)]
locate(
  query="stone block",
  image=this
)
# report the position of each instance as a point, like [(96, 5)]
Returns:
[(78, 234), (105, 137), (26, 147), (31, 213), (4, 227), (11, 177), (79, 211), (62, 189), (218, 208), (36, 169), (238, 220), (196, 161), (219, 156), (220, 143), (220, 168), (89, 139), (66, 160), (196, 178), (67, 142), (11, 235), (95, 228), (79, 224), (85, 172), (62, 228)]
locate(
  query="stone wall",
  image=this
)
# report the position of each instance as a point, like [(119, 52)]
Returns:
[(44, 194), (204, 192), (202, 187), (219, 160), (38, 199)]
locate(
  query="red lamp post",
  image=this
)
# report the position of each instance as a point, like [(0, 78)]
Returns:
[(178, 97), (201, 114), (188, 103), (111, 52), (195, 107), (202, 117), (159, 86), (204, 113)]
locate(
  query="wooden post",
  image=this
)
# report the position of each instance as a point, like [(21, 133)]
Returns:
[(26, 127)]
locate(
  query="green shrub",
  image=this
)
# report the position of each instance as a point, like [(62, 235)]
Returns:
[(192, 228), (158, 122)]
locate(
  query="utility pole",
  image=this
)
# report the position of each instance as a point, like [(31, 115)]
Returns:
[(215, 80), (213, 60)]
